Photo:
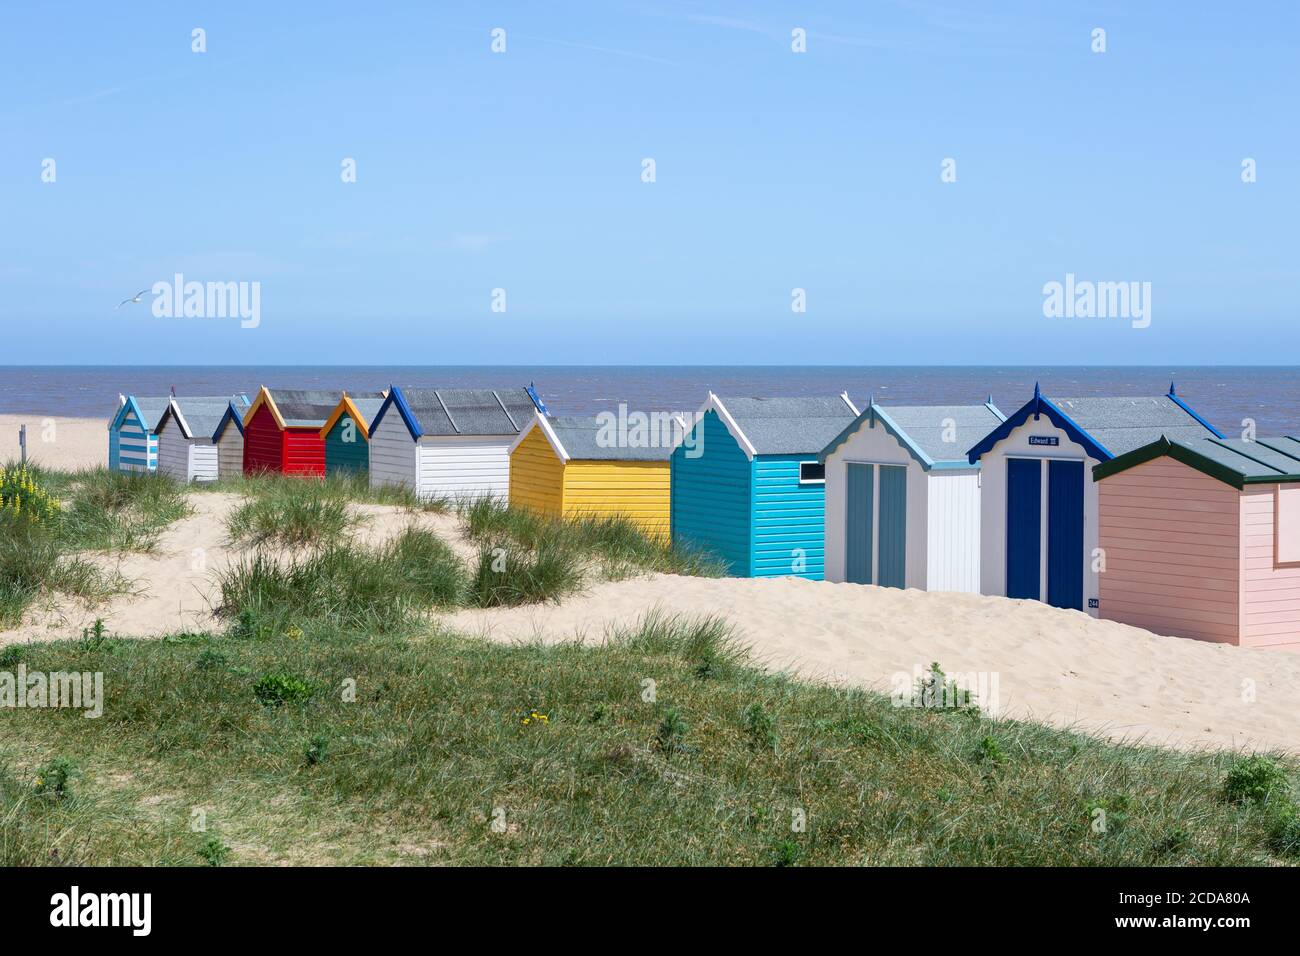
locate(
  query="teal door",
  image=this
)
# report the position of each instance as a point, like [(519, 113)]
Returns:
[(892, 537), (859, 516)]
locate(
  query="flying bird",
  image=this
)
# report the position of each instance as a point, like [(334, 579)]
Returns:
[(137, 298)]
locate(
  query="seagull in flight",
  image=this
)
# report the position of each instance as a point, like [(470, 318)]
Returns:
[(137, 298)]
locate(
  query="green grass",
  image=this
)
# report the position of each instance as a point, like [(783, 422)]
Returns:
[(616, 544), (346, 486), (304, 514), (664, 747), (118, 511), (100, 511), (506, 575), (343, 587)]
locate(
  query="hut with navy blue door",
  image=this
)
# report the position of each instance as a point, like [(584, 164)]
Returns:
[(1039, 511), (747, 485), (132, 434), (903, 500)]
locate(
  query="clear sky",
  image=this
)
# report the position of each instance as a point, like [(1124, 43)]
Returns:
[(774, 170)]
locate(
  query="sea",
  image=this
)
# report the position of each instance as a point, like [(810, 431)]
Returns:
[(1230, 397)]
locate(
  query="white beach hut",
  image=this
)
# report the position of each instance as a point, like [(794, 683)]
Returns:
[(188, 433), (903, 500), (449, 443)]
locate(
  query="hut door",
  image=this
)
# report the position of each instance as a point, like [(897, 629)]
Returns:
[(1024, 528), (892, 537), (1065, 534), (859, 518)]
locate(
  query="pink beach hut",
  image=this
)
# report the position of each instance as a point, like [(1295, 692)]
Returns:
[(1201, 539)]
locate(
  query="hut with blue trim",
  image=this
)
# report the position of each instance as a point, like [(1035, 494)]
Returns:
[(187, 435), (132, 434), (747, 485), (903, 500), (1039, 515), (451, 443), (346, 434), (229, 439)]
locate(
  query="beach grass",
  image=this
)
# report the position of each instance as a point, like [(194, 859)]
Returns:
[(93, 510), (306, 514), (118, 511), (507, 575), (342, 587), (666, 746), (350, 486), (616, 544)]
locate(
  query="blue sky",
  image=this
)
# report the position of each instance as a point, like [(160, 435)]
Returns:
[(774, 171)]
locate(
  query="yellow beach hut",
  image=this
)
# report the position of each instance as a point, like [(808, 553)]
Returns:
[(567, 467)]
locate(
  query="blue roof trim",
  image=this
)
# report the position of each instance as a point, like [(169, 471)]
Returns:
[(904, 439), (395, 397), (1181, 404), (116, 423), (1038, 405), (231, 415), (532, 393), (874, 412)]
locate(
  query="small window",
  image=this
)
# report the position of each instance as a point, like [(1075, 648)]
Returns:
[(812, 473), (1287, 524)]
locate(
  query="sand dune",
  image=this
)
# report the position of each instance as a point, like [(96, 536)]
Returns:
[(1060, 667)]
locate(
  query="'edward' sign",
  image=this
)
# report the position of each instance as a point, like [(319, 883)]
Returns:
[(1044, 440)]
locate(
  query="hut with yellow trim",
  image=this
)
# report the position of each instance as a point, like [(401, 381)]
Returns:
[(346, 434), (564, 467)]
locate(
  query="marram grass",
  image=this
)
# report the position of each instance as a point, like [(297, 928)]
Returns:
[(664, 747)]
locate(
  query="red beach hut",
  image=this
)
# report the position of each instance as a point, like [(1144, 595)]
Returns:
[(282, 431)]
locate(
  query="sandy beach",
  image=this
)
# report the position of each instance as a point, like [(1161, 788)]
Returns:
[(1060, 667), (64, 443)]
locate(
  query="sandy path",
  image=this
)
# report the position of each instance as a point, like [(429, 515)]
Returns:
[(174, 588), (65, 443), (1058, 667)]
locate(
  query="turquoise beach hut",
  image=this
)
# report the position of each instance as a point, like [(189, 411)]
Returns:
[(132, 435), (746, 483)]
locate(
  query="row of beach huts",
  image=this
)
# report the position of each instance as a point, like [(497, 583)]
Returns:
[(1135, 509)]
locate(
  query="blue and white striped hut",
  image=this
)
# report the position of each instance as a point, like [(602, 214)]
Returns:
[(132, 434)]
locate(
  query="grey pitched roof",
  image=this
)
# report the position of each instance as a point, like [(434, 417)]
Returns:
[(367, 407), (583, 441), (470, 411), (928, 425), (789, 426), (308, 408), (1123, 424), (152, 409), (204, 413)]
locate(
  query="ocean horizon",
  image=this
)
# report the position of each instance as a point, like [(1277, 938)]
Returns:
[(1228, 396)]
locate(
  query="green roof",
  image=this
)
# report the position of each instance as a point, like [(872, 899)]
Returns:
[(1234, 461)]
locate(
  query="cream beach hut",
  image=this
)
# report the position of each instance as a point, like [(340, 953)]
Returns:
[(902, 498)]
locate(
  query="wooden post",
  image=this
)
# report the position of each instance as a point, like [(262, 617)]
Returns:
[(22, 441)]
